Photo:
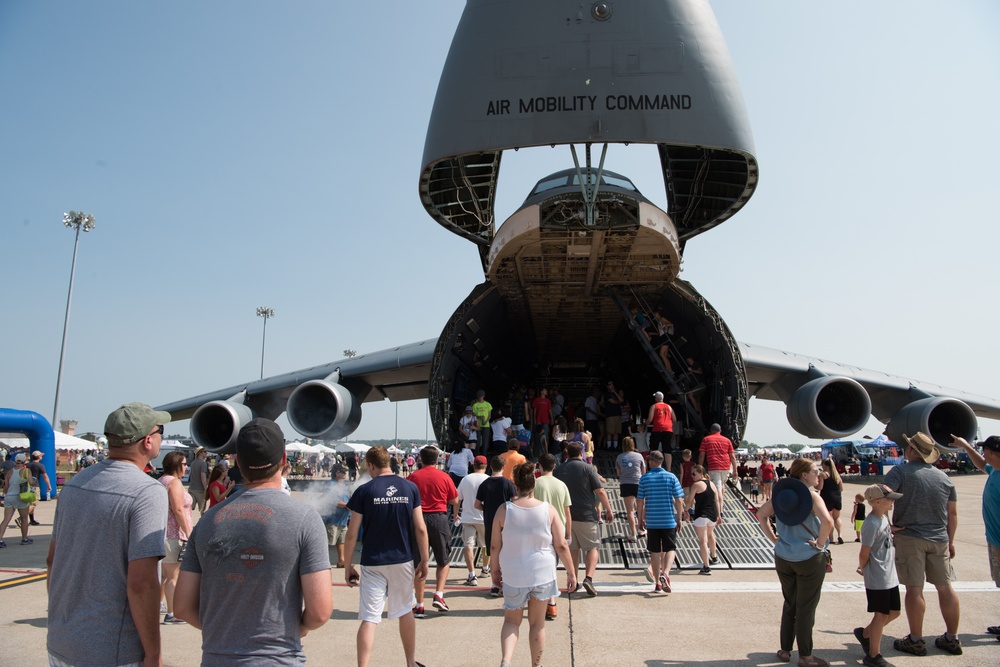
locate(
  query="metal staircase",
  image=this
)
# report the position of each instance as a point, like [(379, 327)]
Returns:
[(674, 389)]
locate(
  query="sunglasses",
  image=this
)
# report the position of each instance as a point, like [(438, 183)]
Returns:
[(158, 429)]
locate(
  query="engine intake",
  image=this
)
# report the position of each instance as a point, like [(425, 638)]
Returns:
[(829, 407), (215, 425), (939, 417), (322, 409)]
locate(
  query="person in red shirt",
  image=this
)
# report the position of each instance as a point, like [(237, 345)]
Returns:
[(437, 492), (661, 420), (541, 411), (766, 475), (716, 453)]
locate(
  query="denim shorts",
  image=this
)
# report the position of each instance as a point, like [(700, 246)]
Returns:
[(517, 598)]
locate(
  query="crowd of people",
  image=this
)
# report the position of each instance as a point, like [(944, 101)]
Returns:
[(259, 548), (912, 545)]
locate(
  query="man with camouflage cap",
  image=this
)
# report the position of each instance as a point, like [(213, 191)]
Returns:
[(113, 516)]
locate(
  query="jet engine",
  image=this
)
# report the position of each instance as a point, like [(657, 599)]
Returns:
[(215, 425), (829, 407), (938, 416), (323, 409)]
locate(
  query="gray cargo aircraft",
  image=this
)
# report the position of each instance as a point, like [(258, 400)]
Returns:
[(582, 281)]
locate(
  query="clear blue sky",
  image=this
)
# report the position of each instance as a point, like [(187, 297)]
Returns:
[(247, 153)]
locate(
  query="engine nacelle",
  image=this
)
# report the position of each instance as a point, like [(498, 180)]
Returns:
[(322, 409), (215, 425), (829, 407), (939, 417)]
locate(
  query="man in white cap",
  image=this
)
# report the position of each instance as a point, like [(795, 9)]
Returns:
[(114, 515), (925, 520)]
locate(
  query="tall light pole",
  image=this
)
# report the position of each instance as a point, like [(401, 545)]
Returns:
[(266, 313), (78, 221)]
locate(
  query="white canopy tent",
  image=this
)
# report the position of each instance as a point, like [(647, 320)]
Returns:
[(63, 441), (348, 447), (778, 450), (301, 447), (810, 450)]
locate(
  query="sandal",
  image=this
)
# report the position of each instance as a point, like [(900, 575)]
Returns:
[(784, 656), (813, 661)]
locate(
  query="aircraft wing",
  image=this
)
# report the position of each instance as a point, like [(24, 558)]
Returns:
[(322, 401), (905, 405)]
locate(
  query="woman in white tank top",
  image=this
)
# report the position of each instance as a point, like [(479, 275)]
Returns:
[(527, 536)]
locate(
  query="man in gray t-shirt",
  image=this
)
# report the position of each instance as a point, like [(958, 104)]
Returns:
[(108, 537), (925, 520), (584, 486), (198, 483), (256, 574)]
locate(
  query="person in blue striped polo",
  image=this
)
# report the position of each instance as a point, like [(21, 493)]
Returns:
[(661, 502)]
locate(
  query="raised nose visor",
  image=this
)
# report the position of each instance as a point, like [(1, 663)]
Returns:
[(552, 267), (537, 244)]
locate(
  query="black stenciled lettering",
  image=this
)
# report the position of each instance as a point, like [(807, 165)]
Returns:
[(498, 107), (646, 102)]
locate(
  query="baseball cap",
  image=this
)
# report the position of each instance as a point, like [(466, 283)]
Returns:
[(480, 460), (992, 443), (132, 422), (876, 491), (260, 444), (468, 408), (339, 468), (20, 458)]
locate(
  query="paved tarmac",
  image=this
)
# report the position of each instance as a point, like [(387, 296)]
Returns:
[(728, 620)]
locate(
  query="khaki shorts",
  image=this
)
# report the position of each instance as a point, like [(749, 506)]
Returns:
[(586, 535), (335, 534), (174, 548), (916, 557), (613, 426), (473, 533), (197, 499)]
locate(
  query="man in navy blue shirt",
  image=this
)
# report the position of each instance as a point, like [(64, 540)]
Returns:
[(387, 510)]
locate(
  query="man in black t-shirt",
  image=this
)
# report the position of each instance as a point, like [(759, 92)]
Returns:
[(38, 473), (490, 497)]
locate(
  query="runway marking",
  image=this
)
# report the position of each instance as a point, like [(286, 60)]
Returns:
[(20, 581), (700, 586)]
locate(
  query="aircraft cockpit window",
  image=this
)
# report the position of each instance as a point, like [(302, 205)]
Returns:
[(573, 180), (550, 184), (617, 182)]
